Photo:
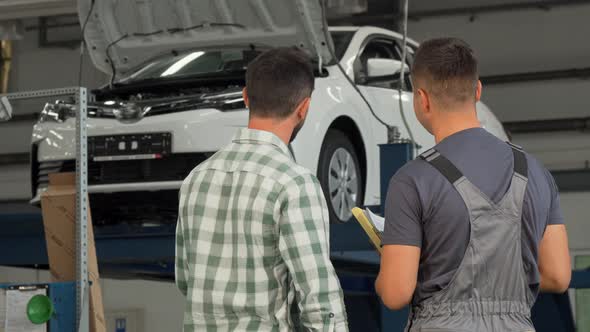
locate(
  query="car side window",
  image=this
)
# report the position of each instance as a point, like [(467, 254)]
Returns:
[(378, 48)]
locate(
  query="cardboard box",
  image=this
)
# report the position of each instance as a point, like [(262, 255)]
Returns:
[(59, 220)]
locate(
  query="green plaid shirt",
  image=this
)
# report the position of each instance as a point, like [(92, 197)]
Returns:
[(253, 239)]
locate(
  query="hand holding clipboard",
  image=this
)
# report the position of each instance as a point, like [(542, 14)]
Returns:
[(372, 224)]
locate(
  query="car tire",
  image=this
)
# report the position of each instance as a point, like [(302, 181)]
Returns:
[(340, 175)]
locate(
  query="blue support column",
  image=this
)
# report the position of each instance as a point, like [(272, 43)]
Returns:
[(393, 321), (392, 157), (62, 295)]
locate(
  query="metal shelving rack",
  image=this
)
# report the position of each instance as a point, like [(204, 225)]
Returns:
[(80, 95)]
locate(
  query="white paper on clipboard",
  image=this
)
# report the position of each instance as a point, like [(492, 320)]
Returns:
[(16, 310)]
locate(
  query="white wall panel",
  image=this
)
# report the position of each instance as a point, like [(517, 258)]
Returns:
[(524, 41), (539, 100), (15, 182), (576, 210), (15, 137), (559, 150), (518, 41)]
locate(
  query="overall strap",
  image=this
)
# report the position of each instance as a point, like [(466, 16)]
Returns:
[(442, 164), (452, 173), (520, 162)]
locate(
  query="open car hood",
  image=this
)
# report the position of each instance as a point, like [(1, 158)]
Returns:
[(130, 32)]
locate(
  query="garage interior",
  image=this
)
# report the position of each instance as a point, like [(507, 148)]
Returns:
[(534, 60)]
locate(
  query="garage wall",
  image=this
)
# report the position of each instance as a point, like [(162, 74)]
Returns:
[(161, 305), (521, 41), (524, 41)]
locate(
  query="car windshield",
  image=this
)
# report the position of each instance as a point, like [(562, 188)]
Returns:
[(341, 41), (212, 62), (194, 63)]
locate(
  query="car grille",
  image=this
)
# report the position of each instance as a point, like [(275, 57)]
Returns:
[(46, 168), (174, 167), (135, 208)]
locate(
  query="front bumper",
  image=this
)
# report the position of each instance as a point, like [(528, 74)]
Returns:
[(122, 176), (195, 135), (200, 130)]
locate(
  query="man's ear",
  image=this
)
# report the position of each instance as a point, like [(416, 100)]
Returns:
[(302, 108), (245, 95), (478, 91), (424, 100)]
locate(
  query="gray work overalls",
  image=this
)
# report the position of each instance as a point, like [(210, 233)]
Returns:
[(489, 291)]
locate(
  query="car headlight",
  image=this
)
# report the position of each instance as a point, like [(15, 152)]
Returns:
[(57, 112)]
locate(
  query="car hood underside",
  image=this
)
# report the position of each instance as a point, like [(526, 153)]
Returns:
[(121, 35)]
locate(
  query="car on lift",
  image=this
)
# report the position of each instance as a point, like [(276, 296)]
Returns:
[(174, 98)]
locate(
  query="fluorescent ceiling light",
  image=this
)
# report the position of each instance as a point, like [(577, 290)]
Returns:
[(178, 65)]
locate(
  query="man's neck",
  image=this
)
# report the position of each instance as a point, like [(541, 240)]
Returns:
[(272, 126), (454, 121)]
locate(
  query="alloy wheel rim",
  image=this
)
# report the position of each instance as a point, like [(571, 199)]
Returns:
[(342, 183)]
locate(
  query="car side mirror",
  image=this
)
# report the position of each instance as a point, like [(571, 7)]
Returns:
[(382, 68), (5, 109)]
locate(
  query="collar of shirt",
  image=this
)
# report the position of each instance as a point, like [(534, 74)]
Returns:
[(253, 136)]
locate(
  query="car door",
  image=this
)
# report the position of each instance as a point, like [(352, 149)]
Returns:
[(382, 92)]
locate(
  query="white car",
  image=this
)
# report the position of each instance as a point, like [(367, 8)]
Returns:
[(175, 98)]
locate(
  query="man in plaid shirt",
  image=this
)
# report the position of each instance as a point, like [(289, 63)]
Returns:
[(253, 228)]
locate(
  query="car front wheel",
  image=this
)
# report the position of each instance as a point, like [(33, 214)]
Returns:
[(339, 173)]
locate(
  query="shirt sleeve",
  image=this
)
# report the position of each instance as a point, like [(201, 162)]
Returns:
[(180, 264), (403, 224), (305, 249), (555, 216)]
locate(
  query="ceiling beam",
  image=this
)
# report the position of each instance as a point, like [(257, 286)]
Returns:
[(474, 10), (457, 11), (23, 117), (19, 9), (9, 159), (550, 125), (572, 180), (547, 75)]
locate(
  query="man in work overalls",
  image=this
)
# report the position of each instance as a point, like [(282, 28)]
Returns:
[(473, 227)]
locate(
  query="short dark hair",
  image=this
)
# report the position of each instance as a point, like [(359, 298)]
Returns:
[(277, 81), (446, 68)]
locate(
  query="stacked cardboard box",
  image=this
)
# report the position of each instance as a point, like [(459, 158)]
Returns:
[(59, 220)]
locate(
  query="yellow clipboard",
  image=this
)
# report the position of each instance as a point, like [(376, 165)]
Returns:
[(368, 227)]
